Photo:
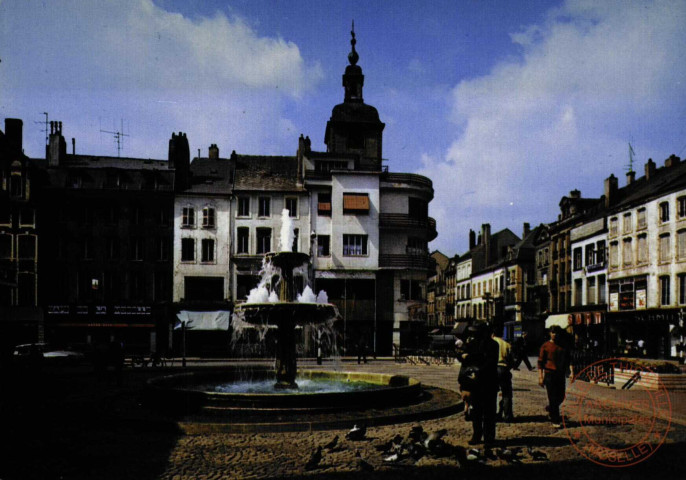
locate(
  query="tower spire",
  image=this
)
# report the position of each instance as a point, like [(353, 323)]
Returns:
[(353, 57)]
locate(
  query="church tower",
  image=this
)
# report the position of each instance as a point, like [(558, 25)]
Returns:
[(354, 126)]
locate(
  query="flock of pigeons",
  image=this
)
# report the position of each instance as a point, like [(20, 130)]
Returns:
[(401, 450)]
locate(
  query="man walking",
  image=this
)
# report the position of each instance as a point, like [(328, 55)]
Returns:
[(519, 347), (553, 365), (504, 378)]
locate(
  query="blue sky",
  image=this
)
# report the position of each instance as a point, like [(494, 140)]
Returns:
[(505, 105)]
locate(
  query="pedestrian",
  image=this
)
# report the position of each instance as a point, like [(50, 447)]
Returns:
[(504, 379), (553, 367), (361, 349), (519, 348), (478, 379)]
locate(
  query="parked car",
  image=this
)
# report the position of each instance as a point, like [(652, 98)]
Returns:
[(47, 354)]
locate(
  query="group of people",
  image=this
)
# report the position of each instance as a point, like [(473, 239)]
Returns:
[(486, 363)]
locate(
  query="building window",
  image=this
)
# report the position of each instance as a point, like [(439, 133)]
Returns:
[(664, 290), (112, 248), (642, 247), (86, 249), (243, 206), (292, 206), (264, 204), (324, 204), (627, 252), (27, 217), (614, 227), (626, 223), (27, 247), (600, 252), (602, 298), (416, 246), (578, 292), (682, 289), (208, 217), (355, 203), (323, 246), (590, 291), (665, 247), (136, 215), (188, 250), (5, 246), (641, 218), (264, 240), (162, 249), (410, 290), (137, 291), (664, 212), (418, 208), (681, 207), (681, 245), (614, 255), (243, 239), (188, 219), (207, 250), (590, 254), (163, 217), (354, 245), (578, 265), (137, 246)]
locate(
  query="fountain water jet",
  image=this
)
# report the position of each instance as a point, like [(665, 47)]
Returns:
[(291, 310)]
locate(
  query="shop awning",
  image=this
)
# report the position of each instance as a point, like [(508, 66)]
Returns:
[(561, 320), (218, 320)]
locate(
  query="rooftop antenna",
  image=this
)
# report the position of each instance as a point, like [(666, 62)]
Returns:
[(47, 138), (118, 137), (632, 154)]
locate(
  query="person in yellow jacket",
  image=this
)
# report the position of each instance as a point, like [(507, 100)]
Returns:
[(505, 362)]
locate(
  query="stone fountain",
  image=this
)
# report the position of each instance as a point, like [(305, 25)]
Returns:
[(285, 314)]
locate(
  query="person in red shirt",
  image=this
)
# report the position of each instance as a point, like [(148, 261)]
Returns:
[(553, 366)]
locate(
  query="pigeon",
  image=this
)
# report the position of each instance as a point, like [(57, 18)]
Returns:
[(435, 438), (393, 458), (416, 451), (314, 460), (488, 453), (356, 433), (537, 455), (417, 434), (332, 444), (392, 445), (362, 464), (506, 454)]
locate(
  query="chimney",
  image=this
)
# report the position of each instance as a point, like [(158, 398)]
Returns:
[(73, 146), (630, 177), (672, 161), (214, 151), (575, 194), (14, 133), (650, 169), (610, 190), (526, 231), (57, 147), (472, 239), (486, 239), (180, 160)]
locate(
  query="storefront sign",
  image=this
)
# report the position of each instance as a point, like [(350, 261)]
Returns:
[(58, 309), (131, 310), (614, 301), (640, 299)]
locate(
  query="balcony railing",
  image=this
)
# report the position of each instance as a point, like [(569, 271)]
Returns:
[(405, 261), (404, 220), (408, 178)]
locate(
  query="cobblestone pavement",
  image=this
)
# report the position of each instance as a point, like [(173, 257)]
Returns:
[(66, 434)]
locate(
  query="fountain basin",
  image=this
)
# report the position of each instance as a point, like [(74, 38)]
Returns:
[(296, 313), (194, 391)]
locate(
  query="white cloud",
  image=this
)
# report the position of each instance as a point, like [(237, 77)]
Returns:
[(559, 117), (214, 77)]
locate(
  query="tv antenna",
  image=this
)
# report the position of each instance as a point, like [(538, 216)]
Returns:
[(118, 137), (47, 138), (632, 154)]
